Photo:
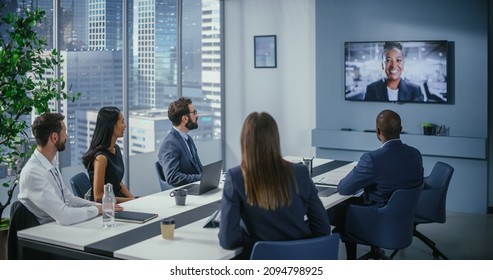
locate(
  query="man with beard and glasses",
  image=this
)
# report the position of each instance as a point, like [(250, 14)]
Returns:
[(178, 154), (41, 187)]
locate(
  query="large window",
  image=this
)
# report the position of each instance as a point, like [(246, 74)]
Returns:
[(201, 63), (173, 49)]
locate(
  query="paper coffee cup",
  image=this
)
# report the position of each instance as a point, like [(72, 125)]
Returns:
[(168, 228)]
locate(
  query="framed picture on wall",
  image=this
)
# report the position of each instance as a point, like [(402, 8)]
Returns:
[(265, 51)]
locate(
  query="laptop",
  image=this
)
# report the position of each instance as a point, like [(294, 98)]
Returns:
[(211, 174)]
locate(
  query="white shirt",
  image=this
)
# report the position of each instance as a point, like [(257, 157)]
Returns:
[(393, 94), (388, 141), (42, 191), (185, 137)]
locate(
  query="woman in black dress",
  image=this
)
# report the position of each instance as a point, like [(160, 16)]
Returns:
[(103, 159)]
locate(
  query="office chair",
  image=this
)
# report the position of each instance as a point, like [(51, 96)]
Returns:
[(318, 248), (20, 218), (160, 175), (431, 97), (80, 184), (431, 207), (389, 227)]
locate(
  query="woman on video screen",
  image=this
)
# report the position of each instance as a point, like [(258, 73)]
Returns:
[(394, 87)]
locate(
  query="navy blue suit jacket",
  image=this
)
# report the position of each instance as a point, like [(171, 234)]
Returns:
[(179, 168), (287, 223), (377, 91), (379, 173)]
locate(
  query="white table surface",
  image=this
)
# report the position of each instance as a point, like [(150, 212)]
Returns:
[(79, 235), (334, 176), (191, 241), (189, 244)]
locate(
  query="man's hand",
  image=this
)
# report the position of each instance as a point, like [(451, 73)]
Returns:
[(118, 208), (100, 208)]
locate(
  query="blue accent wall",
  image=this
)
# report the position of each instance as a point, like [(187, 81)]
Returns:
[(465, 24)]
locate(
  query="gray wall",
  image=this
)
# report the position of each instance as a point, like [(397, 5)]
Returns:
[(286, 92), (460, 21)]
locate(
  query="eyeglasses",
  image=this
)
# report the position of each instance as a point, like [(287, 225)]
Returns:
[(194, 112)]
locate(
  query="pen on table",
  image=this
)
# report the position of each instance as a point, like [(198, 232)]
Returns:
[(321, 180)]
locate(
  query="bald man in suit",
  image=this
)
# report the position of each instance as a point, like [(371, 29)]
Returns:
[(379, 173)]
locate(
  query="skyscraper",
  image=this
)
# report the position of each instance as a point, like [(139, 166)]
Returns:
[(91, 44), (97, 75), (155, 49), (211, 59), (105, 24), (74, 21)]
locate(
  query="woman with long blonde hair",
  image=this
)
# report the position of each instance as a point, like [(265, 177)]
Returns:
[(267, 197)]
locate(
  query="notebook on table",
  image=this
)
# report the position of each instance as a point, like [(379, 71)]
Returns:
[(134, 217), (211, 174)]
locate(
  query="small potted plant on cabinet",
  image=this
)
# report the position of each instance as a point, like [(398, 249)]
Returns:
[(428, 128)]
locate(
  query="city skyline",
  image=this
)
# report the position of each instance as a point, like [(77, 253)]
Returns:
[(91, 44)]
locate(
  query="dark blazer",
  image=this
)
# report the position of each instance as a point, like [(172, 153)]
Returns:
[(287, 223), (179, 168), (393, 166), (377, 91)]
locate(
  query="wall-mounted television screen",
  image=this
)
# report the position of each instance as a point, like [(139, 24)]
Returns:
[(397, 71)]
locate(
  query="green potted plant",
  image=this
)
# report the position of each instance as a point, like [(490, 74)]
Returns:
[(4, 225), (24, 86), (428, 128)]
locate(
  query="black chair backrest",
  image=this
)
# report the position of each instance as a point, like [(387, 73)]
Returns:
[(20, 218), (439, 177), (162, 182), (80, 184), (159, 170), (318, 248), (390, 226)]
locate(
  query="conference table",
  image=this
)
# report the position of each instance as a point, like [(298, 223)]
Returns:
[(89, 240)]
